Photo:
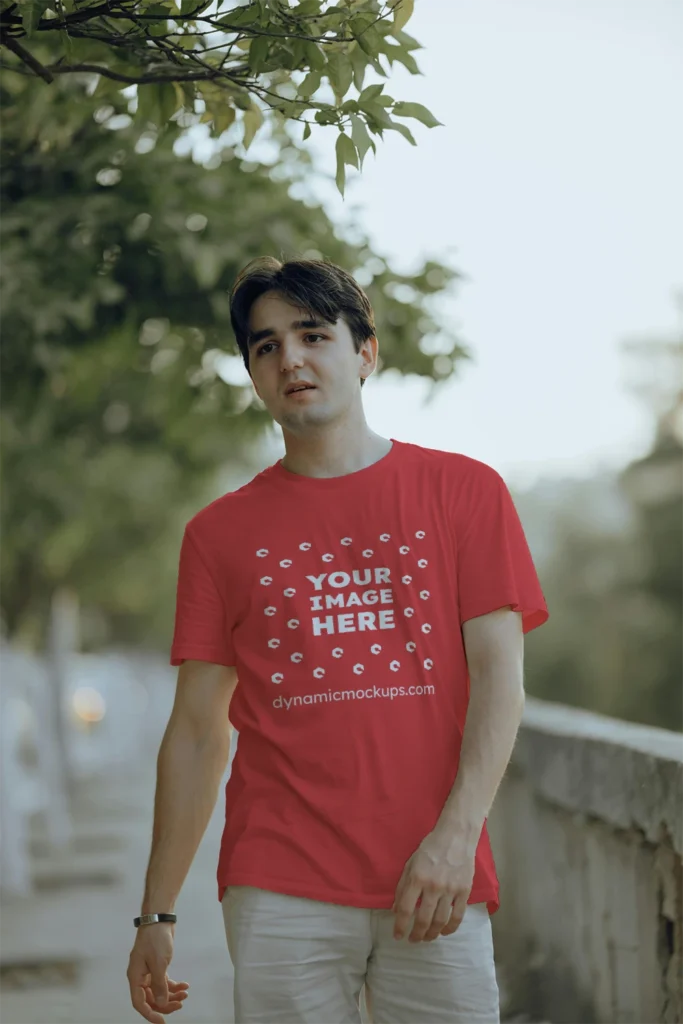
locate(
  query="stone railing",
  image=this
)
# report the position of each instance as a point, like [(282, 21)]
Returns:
[(587, 832)]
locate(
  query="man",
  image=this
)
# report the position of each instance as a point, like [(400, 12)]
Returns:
[(357, 613)]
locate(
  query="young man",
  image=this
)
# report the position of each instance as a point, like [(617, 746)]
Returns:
[(357, 613)]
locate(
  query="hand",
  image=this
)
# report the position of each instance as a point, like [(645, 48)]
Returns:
[(152, 992), (440, 873)]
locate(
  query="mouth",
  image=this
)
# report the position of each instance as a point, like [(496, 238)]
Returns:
[(296, 389)]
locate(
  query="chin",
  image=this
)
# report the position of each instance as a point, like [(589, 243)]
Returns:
[(298, 419)]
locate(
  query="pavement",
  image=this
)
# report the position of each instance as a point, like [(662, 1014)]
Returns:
[(80, 917)]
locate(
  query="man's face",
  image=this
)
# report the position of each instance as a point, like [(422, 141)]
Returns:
[(288, 349)]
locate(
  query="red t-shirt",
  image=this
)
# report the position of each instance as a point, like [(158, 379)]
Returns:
[(340, 602)]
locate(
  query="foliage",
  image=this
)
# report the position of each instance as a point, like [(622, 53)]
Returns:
[(613, 587), (117, 256), (654, 485), (225, 64)]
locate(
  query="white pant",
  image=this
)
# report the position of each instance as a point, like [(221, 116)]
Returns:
[(301, 961)]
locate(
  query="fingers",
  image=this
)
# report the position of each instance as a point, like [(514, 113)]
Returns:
[(138, 997), (177, 986), (151, 1008), (153, 994), (441, 917), (405, 908), (175, 1002), (437, 915), (455, 920), (159, 984), (424, 917)]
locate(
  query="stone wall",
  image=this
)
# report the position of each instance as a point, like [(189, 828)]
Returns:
[(587, 832)]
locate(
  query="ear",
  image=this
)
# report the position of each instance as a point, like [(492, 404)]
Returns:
[(368, 352)]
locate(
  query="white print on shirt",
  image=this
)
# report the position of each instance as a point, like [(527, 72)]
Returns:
[(361, 601), (351, 622)]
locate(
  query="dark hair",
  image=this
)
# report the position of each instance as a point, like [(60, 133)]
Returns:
[(319, 286)]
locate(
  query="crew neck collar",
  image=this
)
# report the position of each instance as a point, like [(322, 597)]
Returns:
[(359, 476)]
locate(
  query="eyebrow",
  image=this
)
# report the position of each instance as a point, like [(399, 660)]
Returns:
[(296, 325)]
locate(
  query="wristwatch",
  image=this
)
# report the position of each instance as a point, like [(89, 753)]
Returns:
[(154, 919)]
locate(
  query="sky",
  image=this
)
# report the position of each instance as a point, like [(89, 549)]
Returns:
[(554, 187)]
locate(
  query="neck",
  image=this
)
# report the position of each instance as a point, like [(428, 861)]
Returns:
[(336, 451)]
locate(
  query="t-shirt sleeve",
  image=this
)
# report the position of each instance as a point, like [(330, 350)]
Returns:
[(495, 567), (203, 622)]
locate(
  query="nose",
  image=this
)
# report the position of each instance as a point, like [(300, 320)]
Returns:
[(291, 355)]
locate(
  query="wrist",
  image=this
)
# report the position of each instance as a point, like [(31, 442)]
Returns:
[(146, 920), (162, 904), (461, 833)]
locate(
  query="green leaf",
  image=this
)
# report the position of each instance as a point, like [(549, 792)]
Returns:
[(359, 64), (361, 28), (340, 75), (407, 60), (417, 111), (258, 53), (371, 42), (340, 176), (168, 102), (160, 26), (241, 99), (370, 93), (407, 42), (347, 150), (223, 117), (309, 85), (326, 116), (253, 119), (405, 132), (241, 16), (148, 109), (314, 56), (307, 130), (361, 138), (31, 13), (157, 103), (283, 56), (378, 114), (403, 12), (376, 64), (298, 50), (306, 9)]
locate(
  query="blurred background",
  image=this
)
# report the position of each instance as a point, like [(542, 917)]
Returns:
[(525, 263)]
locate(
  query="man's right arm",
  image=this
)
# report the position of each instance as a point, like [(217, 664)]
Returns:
[(192, 759)]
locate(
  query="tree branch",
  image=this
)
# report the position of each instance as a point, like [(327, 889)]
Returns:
[(27, 58), (116, 76)]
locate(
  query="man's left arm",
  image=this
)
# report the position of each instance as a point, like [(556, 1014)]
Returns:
[(441, 871)]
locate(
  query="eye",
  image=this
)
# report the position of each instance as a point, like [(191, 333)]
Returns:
[(309, 336), (262, 351)]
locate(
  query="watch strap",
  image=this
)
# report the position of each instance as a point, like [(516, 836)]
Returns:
[(154, 919)]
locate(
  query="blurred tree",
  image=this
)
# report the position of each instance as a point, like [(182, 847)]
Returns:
[(122, 394), (613, 581), (655, 486), (227, 63), (609, 645)]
